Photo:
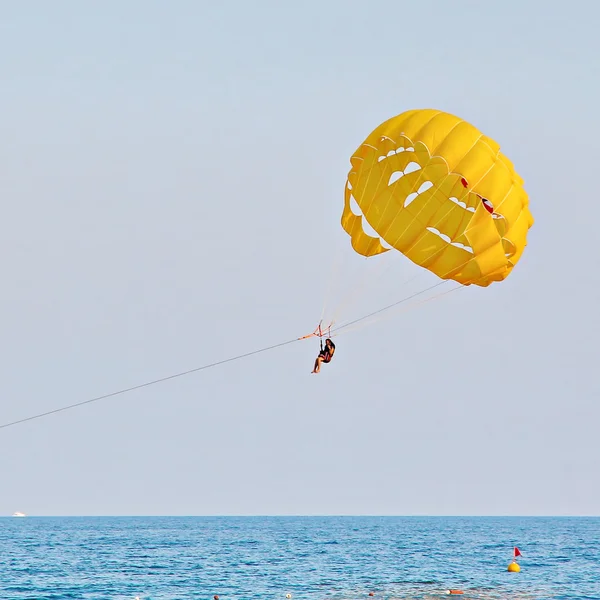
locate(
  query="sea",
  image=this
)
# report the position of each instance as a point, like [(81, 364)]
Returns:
[(302, 558)]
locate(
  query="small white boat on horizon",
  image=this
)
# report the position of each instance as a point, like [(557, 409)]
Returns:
[(19, 514)]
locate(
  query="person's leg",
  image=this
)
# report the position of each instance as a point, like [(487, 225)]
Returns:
[(317, 367)]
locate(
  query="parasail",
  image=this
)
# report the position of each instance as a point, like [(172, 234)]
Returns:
[(433, 187)]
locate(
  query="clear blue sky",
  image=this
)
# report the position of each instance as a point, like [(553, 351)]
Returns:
[(170, 171)]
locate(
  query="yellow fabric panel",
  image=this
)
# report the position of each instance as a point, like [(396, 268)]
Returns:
[(488, 251), (517, 235), (511, 204), (419, 179), (434, 254), (361, 242)]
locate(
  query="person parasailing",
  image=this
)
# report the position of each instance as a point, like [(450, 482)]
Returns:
[(325, 355)]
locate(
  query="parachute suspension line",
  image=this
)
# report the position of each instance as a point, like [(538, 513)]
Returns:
[(357, 291), (319, 332), (148, 383), (401, 301), (382, 316), (388, 307)]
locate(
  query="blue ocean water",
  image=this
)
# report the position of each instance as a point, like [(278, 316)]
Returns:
[(321, 558)]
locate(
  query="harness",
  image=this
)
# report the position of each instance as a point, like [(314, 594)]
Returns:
[(326, 354)]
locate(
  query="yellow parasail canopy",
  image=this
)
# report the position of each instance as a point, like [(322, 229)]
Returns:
[(436, 189)]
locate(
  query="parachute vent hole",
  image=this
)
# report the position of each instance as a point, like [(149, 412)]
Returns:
[(488, 205), (367, 229), (509, 248), (354, 207), (426, 185), (395, 176), (410, 198), (440, 234), (394, 152), (448, 240), (411, 167), (462, 204), (459, 245)]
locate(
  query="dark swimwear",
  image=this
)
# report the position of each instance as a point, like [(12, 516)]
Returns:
[(327, 354)]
